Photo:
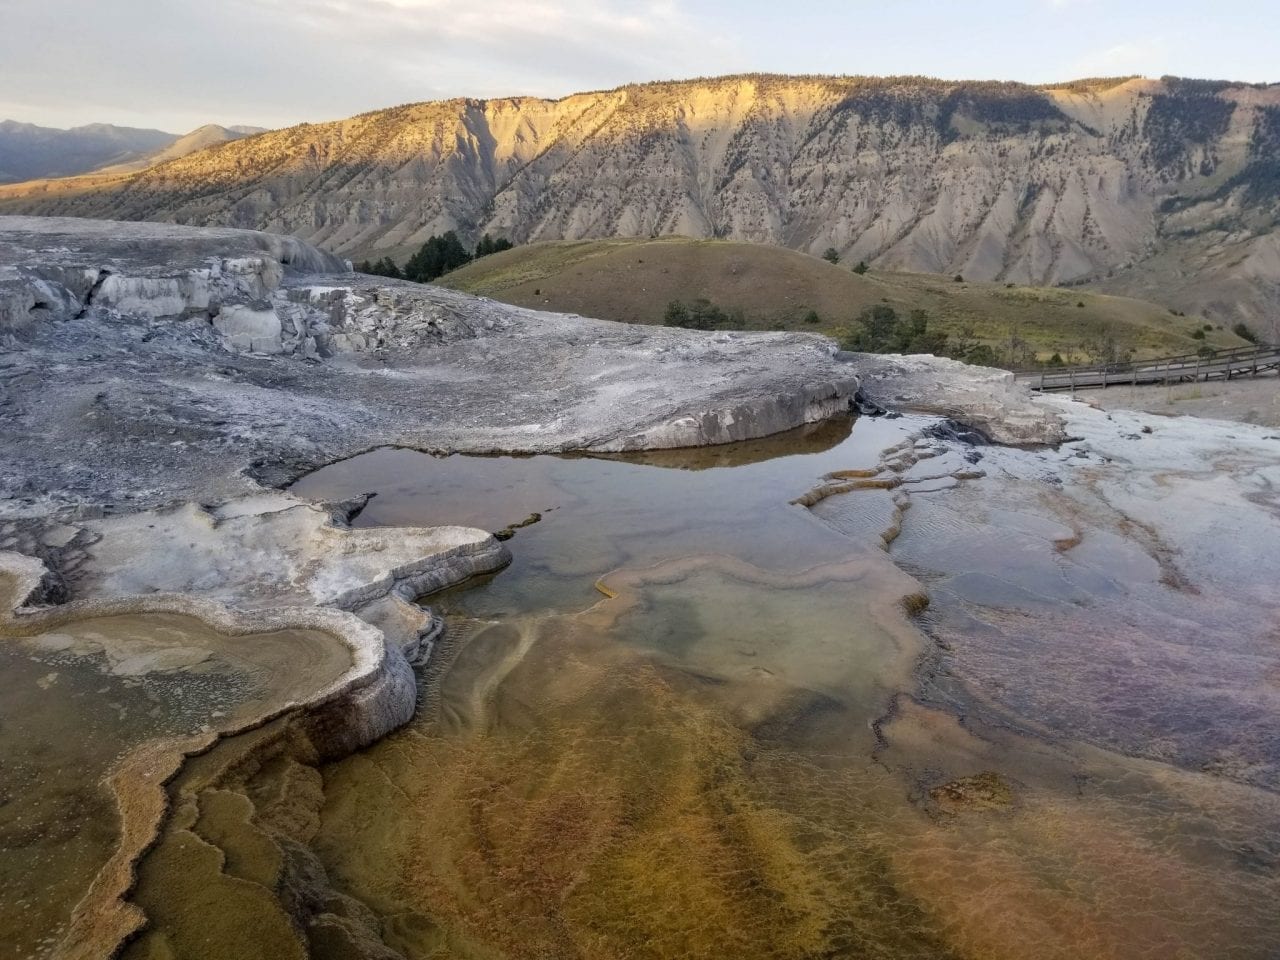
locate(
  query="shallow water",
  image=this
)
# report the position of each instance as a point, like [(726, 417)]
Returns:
[(75, 700), (693, 720), (602, 514), (1067, 615)]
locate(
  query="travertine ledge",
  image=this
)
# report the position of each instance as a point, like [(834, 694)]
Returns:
[(297, 585)]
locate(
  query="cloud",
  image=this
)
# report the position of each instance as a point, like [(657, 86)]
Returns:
[(279, 61), (177, 64), (540, 46)]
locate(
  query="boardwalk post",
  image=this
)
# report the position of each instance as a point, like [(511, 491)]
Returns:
[(1073, 383), (1196, 379)]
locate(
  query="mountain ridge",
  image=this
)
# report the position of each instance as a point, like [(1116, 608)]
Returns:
[(50, 153), (1114, 182), (28, 150), (201, 138)]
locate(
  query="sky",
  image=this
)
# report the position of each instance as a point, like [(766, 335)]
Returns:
[(177, 64)]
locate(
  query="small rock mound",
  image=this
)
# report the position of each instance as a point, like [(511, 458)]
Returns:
[(981, 791)]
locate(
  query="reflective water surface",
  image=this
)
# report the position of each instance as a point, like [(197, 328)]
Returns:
[(696, 719)]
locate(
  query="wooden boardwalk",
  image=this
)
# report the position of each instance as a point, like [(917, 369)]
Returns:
[(1220, 365)]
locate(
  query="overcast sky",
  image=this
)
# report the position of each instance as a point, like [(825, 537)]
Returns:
[(176, 64)]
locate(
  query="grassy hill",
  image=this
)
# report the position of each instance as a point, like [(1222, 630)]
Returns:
[(772, 288)]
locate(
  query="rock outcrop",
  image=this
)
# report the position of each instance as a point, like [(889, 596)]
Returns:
[(1139, 185), (148, 364), (55, 270), (990, 400)]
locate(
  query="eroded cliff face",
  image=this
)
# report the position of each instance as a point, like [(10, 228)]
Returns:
[(995, 181)]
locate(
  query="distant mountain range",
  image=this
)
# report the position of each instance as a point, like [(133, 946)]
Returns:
[(29, 152), (1164, 189)]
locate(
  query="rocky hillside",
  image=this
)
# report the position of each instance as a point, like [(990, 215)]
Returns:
[(1131, 184)]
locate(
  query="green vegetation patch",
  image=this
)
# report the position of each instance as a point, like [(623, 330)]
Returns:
[(719, 284)]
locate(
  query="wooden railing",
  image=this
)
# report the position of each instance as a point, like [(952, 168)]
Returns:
[(1189, 368)]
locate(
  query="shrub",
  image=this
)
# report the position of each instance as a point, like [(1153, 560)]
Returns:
[(1242, 330), (831, 255), (861, 268), (702, 314), (812, 317), (882, 330), (959, 278), (1197, 335), (1055, 361), (676, 314), (876, 326), (981, 355)]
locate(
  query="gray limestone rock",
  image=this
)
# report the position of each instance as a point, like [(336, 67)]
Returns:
[(249, 329), (150, 364)]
